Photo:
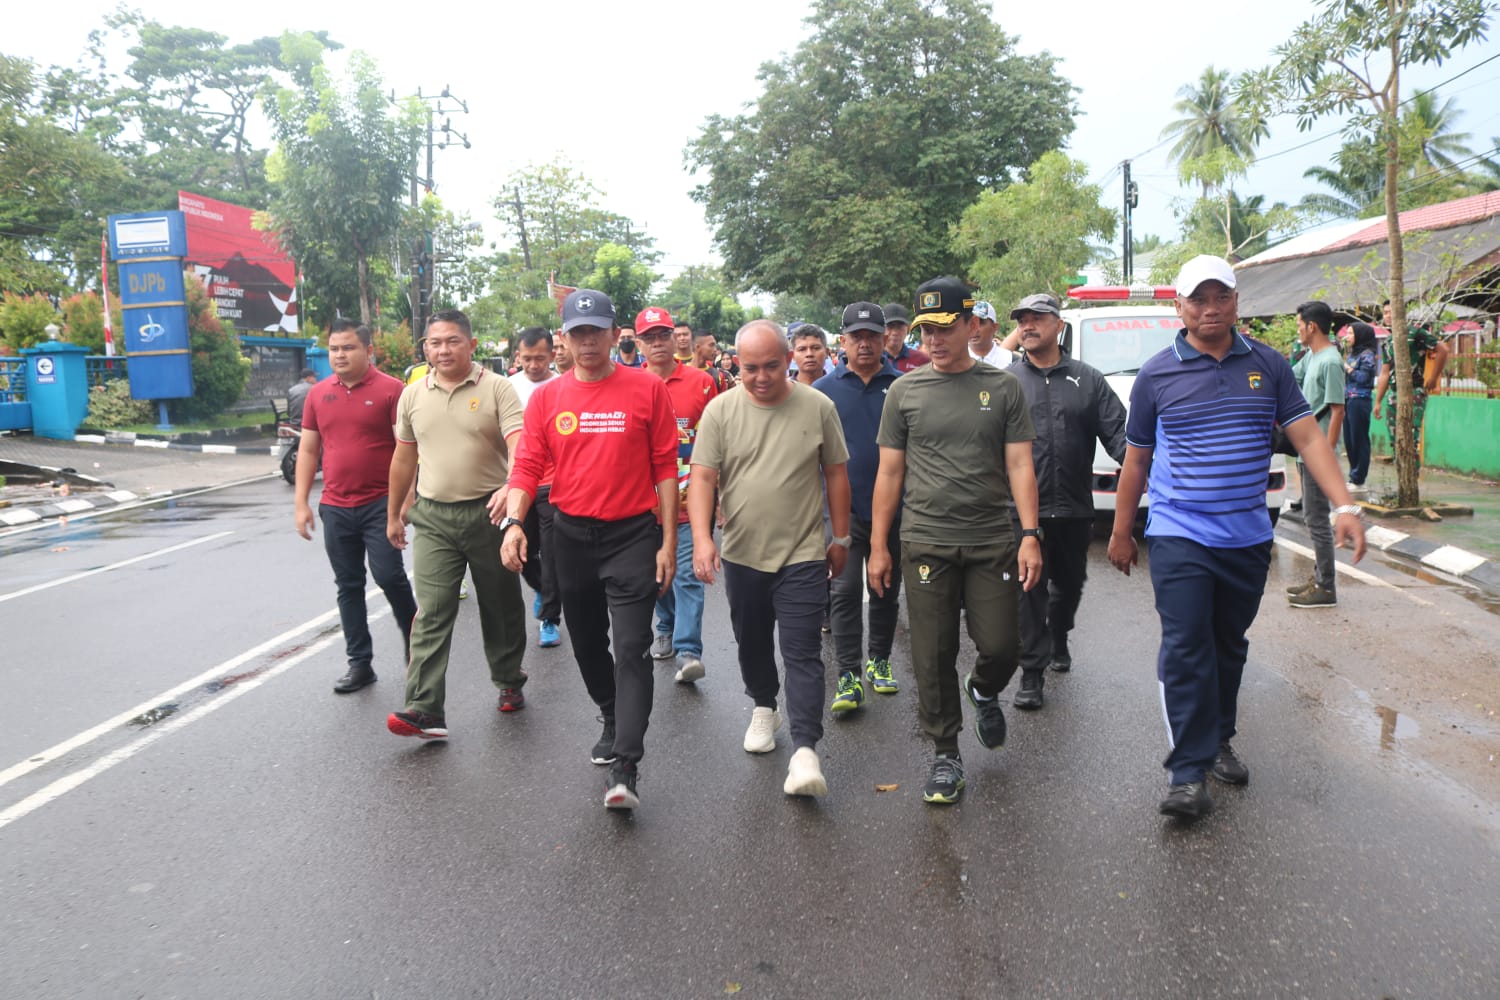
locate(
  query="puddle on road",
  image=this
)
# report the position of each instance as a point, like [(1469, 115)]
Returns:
[(1394, 726), (152, 716)]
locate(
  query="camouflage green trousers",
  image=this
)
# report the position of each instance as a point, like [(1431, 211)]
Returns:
[(1418, 411)]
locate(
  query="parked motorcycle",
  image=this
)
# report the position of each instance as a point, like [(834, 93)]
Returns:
[(289, 438)]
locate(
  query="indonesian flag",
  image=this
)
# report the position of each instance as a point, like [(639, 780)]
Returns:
[(109, 333), (558, 292)]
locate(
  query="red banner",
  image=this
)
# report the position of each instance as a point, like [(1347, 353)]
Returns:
[(252, 282)]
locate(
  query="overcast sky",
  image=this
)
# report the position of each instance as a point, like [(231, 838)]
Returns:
[(620, 87)]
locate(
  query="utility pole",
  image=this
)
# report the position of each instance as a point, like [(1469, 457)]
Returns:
[(422, 278), (521, 225), (1132, 198)]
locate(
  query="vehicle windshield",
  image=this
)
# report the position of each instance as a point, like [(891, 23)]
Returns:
[(1120, 345)]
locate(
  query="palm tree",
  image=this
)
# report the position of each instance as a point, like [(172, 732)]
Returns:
[(1211, 121), (1356, 184), (1427, 130)]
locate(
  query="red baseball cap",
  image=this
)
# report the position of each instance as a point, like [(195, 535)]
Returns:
[(652, 317)]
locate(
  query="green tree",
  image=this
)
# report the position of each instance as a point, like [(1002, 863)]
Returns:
[(24, 319), (625, 280), (561, 224), (869, 141), (1212, 133), (220, 371), (338, 175), (699, 298), (1031, 236), (1347, 59)]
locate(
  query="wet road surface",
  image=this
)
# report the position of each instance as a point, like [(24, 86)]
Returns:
[(272, 839)]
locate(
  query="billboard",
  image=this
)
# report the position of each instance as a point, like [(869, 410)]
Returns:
[(252, 282), (149, 246)]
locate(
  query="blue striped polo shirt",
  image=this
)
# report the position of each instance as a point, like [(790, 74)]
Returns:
[(1209, 423)]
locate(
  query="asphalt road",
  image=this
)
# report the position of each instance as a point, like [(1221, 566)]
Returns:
[(217, 823)]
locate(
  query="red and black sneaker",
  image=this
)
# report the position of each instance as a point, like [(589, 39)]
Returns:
[(419, 724), (511, 700)]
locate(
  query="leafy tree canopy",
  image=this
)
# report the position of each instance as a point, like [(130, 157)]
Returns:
[(1030, 236), (869, 141)]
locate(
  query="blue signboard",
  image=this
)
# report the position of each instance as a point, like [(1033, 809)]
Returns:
[(149, 247), (147, 234)]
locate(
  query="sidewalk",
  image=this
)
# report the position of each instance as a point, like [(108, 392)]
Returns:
[(116, 473), (1462, 546)]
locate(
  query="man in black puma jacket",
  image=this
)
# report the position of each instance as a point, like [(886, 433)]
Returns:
[(1072, 406)]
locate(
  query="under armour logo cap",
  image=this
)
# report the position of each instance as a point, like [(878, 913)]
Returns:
[(587, 307)]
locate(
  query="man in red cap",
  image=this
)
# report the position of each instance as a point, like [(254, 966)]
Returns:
[(679, 611)]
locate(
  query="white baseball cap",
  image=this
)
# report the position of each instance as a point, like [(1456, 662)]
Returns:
[(1204, 267), (983, 310)]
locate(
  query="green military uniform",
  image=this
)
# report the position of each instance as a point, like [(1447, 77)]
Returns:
[(1421, 341)]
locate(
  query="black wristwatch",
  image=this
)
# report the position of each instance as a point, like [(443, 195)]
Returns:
[(1032, 533), (507, 522)]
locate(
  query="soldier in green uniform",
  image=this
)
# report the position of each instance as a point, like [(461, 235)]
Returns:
[(1423, 344)]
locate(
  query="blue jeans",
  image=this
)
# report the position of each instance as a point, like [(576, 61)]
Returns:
[(679, 612), (351, 535), (1357, 437)]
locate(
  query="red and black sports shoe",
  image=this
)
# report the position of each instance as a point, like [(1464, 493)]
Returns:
[(511, 700), (419, 724)]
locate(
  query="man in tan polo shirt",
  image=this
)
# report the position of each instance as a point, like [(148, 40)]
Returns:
[(462, 420)]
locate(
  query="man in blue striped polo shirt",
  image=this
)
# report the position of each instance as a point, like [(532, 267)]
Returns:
[(1200, 424)]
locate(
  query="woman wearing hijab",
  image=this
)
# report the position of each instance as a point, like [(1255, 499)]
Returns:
[(1361, 370)]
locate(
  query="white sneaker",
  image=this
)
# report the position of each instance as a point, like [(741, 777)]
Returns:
[(691, 670), (761, 736), (661, 647), (804, 775)]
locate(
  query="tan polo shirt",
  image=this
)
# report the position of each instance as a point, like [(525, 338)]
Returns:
[(460, 435)]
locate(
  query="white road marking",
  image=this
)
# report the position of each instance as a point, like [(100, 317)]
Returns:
[(1453, 560), (71, 781), (68, 782), (1353, 572), (105, 569)]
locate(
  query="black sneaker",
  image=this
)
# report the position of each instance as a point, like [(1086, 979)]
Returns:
[(604, 750), (619, 787), (1187, 801), (989, 720), (1030, 695), (1062, 660), (1229, 768), (946, 781)]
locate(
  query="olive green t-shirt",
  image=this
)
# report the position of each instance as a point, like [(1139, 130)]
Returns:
[(460, 435), (770, 462), (954, 429)]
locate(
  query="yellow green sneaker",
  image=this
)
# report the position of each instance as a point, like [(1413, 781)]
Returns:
[(878, 673), (850, 694)]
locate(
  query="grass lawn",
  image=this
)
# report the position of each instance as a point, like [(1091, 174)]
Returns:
[(222, 421)]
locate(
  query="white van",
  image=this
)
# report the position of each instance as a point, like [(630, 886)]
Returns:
[(1118, 340)]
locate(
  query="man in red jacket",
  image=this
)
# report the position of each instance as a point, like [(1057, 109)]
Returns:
[(610, 433)]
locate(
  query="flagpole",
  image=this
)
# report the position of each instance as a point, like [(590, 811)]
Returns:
[(109, 333)]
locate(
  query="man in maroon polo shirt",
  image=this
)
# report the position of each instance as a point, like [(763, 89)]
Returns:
[(348, 419)]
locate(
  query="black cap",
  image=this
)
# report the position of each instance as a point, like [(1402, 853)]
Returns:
[(864, 316), (587, 307), (942, 302), (308, 373), (1041, 302), (895, 312)]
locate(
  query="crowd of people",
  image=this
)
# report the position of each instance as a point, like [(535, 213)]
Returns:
[(622, 469)]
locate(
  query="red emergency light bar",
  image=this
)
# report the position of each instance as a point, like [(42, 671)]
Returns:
[(1122, 293)]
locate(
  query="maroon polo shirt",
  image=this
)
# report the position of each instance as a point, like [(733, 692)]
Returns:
[(356, 425)]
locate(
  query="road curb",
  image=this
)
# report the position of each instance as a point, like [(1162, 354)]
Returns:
[(1471, 568), (139, 441), (62, 507)]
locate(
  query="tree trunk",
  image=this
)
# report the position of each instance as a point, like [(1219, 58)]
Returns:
[(364, 288), (1405, 448)]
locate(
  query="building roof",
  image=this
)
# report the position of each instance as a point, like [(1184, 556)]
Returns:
[(1347, 264)]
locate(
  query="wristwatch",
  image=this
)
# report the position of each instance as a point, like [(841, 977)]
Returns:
[(1348, 508), (844, 541), (507, 522), (1032, 533)]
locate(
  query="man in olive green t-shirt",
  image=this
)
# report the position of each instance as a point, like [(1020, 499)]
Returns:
[(463, 421), (770, 446), (962, 463)]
